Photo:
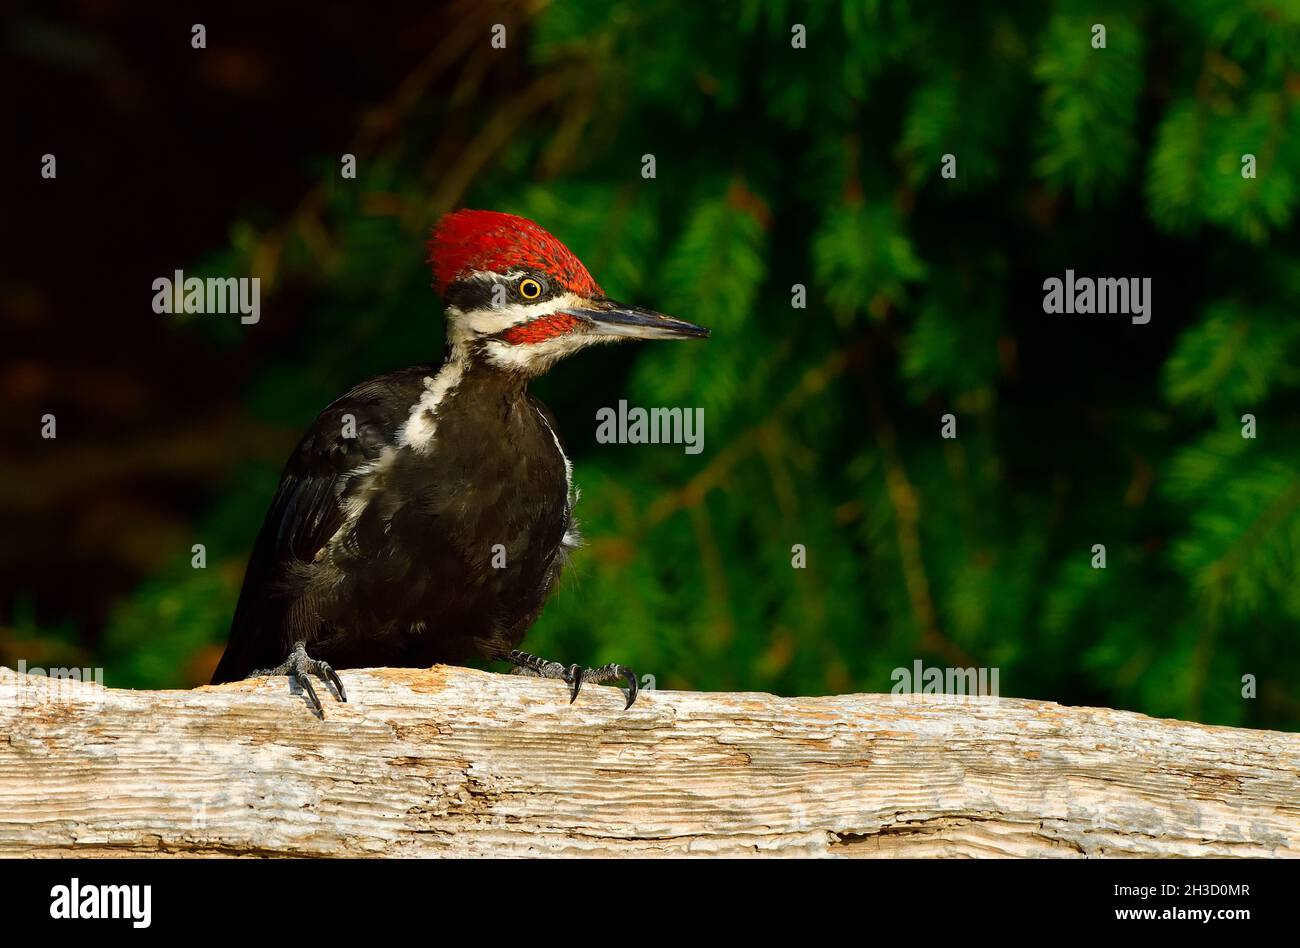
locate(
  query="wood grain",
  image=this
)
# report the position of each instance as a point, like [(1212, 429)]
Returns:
[(453, 761)]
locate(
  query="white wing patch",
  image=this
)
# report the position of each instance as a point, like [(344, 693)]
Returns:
[(368, 478)]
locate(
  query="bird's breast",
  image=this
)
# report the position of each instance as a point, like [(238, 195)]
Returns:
[(493, 485)]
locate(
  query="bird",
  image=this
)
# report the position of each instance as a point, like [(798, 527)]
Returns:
[(426, 514)]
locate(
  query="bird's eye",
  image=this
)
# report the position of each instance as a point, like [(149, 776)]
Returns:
[(530, 289)]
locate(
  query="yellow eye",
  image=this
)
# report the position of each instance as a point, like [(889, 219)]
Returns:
[(530, 289)]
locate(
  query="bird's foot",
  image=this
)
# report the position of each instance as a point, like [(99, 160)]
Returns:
[(299, 666), (575, 676)]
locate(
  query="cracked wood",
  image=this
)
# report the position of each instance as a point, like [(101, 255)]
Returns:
[(453, 761)]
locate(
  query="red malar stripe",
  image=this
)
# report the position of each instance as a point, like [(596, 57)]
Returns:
[(540, 329)]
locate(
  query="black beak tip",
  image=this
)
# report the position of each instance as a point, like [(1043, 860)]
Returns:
[(685, 330)]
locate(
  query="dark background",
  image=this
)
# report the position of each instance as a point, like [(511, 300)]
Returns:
[(775, 166)]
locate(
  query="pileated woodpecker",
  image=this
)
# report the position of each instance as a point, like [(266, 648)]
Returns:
[(425, 516)]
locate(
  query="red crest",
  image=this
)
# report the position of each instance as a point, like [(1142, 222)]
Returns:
[(489, 240)]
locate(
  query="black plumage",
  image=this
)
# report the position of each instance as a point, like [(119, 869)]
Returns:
[(408, 579), (425, 516)]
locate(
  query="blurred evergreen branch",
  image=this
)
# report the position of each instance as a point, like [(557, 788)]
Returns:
[(819, 167)]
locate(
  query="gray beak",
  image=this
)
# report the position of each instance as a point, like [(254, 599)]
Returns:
[(609, 318)]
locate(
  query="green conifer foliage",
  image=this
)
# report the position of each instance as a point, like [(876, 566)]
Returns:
[(820, 167)]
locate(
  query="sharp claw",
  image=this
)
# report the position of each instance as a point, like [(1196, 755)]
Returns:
[(314, 701), (300, 666), (630, 677), (332, 677), (576, 676)]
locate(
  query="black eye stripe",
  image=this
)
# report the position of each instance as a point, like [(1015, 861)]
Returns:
[(468, 295), (477, 293)]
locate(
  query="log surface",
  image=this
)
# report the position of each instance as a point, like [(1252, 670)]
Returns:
[(453, 761)]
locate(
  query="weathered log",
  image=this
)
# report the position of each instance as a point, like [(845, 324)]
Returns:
[(453, 761)]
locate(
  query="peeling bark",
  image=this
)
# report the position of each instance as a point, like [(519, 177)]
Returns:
[(452, 761)]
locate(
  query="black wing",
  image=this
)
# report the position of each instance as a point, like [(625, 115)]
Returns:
[(308, 509)]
